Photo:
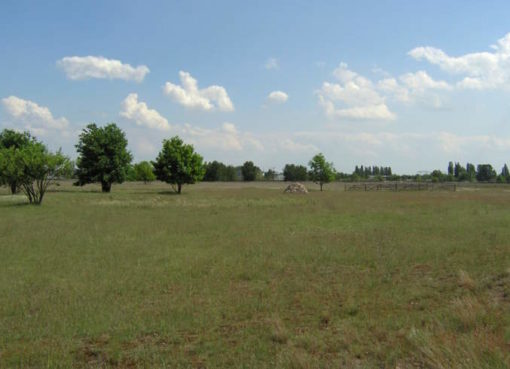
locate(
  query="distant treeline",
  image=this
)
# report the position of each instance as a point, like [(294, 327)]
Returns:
[(216, 171)]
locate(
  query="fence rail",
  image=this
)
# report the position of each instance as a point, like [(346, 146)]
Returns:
[(400, 186)]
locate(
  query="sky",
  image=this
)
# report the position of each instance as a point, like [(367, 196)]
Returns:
[(406, 84)]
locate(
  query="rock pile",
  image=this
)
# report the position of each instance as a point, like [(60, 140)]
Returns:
[(296, 188)]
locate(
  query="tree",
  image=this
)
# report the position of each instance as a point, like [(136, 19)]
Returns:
[(213, 171), (250, 171), (270, 175), (457, 171), (321, 171), (438, 176), (36, 168), (292, 172), (485, 172), (470, 172), (103, 156), (450, 168), (228, 173), (217, 171), (178, 164), (11, 172), (505, 173), (130, 173), (10, 139), (144, 172)]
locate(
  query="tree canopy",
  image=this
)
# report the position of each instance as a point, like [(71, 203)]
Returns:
[(34, 168), (250, 171), (144, 171), (103, 156), (321, 171), (217, 171), (178, 164), (292, 172), (485, 173), (11, 141)]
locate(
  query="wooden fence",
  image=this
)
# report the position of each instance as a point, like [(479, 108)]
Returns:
[(400, 186)]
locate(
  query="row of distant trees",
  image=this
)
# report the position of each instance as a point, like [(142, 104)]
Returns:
[(26, 164), (481, 173), (216, 171)]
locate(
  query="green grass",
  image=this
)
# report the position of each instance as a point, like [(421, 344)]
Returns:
[(244, 276)]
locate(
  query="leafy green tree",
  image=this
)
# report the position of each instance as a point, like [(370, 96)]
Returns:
[(228, 174), (178, 164), (103, 156), (485, 173), (35, 168), (340, 176), (213, 171), (438, 176), (217, 171), (270, 175), (130, 173), (144, 172), (10, 139), (470, 172), (250, 171), (11, 172), (292, 172), (321, 171)]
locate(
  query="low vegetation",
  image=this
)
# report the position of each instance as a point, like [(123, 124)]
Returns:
[(240, 275)]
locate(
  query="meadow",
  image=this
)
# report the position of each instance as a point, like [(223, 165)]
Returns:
[(239, 275)]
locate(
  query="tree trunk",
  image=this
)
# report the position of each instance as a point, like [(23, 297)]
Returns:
[(321, 186), (14, 188), (106, 187), (179, 188)]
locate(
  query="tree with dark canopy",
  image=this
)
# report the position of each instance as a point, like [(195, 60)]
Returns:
[(103, 156), (485, 173), (270, 175), (292, 172), (250, 171)]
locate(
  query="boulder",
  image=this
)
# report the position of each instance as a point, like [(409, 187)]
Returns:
[(296, 188)]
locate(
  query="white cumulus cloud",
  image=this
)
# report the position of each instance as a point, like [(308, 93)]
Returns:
[(357, 96), (140, 113), (189, 95), (279, 97), (481, 70), (414, 87), (87, 67), (37, 119)]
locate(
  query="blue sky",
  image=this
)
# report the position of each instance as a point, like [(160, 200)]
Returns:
[(402, 83)]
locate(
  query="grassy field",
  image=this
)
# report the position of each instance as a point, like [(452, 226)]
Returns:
[(244, 276)]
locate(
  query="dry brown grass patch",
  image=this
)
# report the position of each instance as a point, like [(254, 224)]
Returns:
[(465, 281)]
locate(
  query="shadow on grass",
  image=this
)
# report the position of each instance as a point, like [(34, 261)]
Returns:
[(169, 193), (14, 204)]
